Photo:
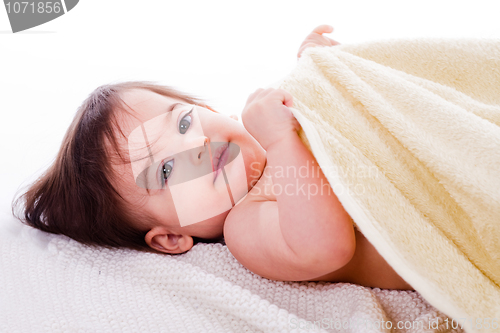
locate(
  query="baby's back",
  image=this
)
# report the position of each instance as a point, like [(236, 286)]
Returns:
[(367, 268)]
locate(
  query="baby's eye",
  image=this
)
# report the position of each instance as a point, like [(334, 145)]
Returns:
[(185, 123), (167, 169)]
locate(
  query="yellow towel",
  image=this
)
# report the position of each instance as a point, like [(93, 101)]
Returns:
[(408, 134)]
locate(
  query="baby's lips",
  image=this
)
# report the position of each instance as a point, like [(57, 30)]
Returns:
[(36, 13), (184, 173)]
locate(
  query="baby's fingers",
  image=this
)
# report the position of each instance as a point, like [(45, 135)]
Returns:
[(253, 95), (323, 29), (323, 40), (284, 96), (305, 46), (320, 40), (332, 42)]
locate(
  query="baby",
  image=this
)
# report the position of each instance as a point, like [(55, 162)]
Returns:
[(146, 167)]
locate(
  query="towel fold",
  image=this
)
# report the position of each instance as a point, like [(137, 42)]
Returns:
[(407, 133)]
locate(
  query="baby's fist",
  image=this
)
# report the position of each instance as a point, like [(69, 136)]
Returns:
[(267, 116)]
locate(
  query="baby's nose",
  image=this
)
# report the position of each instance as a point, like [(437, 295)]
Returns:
[(202, 151), (206, 146)]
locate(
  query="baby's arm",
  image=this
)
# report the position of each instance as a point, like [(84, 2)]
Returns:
[(304, 233)]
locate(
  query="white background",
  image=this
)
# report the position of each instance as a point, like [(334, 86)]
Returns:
[(220, 51)]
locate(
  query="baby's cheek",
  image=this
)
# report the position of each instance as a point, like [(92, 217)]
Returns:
[(197, 200)]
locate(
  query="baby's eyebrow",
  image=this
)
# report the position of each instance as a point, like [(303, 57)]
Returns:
[(173, 106), (167, 121)]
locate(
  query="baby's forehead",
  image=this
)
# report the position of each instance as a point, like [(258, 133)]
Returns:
[(139, 106)]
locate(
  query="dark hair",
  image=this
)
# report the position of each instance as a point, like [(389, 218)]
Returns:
[(75, 196)]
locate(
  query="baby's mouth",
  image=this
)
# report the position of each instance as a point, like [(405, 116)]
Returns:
[(220, 157)]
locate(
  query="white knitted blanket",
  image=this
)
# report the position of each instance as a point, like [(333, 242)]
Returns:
[(51, 283)]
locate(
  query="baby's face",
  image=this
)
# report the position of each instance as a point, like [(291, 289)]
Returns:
[(189, 165)]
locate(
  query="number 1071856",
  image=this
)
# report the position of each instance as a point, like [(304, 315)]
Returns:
[(26, 7)]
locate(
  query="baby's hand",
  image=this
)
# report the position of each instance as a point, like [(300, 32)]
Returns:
[(267, 116), (316, 38)]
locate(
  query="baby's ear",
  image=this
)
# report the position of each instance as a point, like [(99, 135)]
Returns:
[(161, 239)]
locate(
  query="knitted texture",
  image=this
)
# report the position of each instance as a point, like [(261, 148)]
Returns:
[(51, 283)]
